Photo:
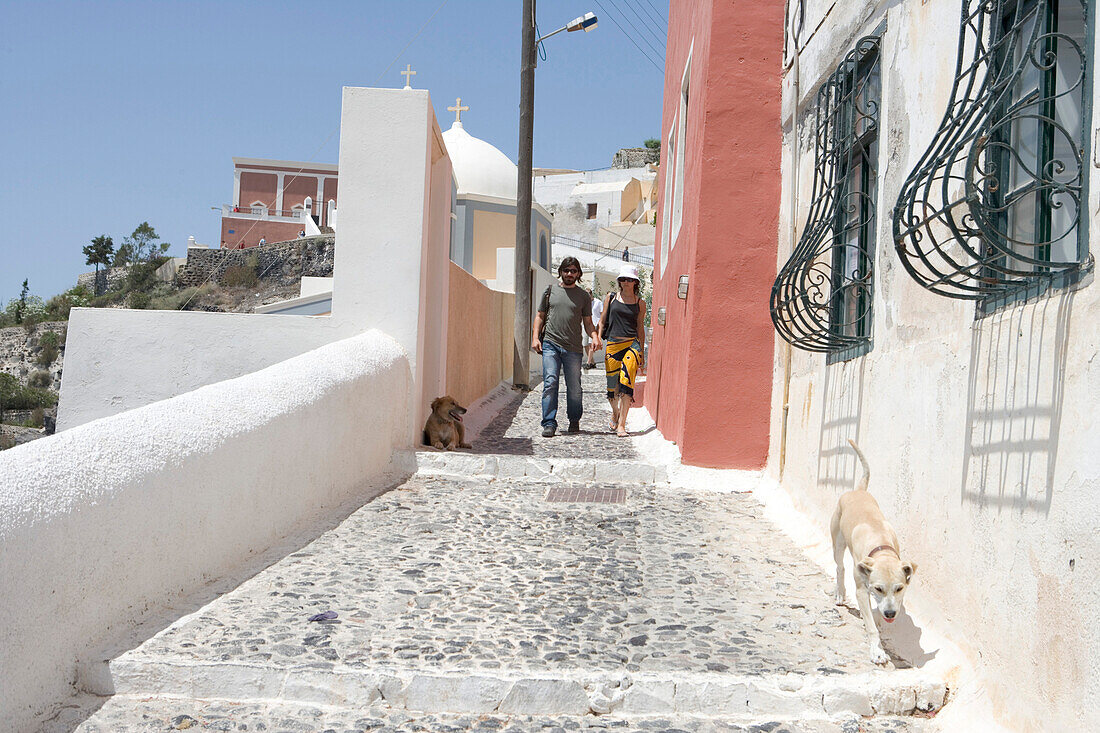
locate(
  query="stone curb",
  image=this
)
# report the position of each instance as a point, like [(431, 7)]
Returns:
[(731, 697), (543, 470)]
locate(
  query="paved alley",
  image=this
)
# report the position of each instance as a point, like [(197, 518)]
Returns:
[(515, 603)]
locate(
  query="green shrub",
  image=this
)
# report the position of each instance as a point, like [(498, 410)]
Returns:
[(240, 276), (40, 380), (38, 418), (57, 307), (14, 396), (142, 278), (47, 355), (140, 300)]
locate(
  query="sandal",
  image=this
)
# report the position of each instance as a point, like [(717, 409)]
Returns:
[(621, 433)]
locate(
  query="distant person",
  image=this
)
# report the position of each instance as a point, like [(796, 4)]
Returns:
[(597, 311), (263, 240), (301, 234), (626, 254), (564, 310), (624, 323)]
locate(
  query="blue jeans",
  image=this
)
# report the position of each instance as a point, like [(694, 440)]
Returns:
[(554, 360)]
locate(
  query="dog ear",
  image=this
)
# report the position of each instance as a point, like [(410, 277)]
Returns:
[(864, 567), (908, 568), (436, 403)]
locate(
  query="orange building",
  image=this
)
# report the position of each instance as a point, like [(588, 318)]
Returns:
[(710, 363)]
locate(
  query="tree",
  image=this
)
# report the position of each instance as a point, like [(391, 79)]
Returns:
[(21, 304), (653, 144), (99, 252), (142, 245)]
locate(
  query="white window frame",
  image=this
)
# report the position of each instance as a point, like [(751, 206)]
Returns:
[(666, 219), (681, 149)]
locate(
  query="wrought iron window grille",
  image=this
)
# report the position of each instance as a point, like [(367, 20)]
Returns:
[(992, 211), (821, 300)]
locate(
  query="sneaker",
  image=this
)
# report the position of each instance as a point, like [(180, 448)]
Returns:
[(574, 426), (548, 431)]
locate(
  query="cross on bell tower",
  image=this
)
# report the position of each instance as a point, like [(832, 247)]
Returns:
[(408, 73), (458, 109)]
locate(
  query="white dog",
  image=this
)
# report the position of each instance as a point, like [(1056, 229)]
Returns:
[(859, 526)]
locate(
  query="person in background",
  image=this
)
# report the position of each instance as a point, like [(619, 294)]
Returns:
[(263, 240), (563, 311), (624, 317), (597, 311), (626, 254)]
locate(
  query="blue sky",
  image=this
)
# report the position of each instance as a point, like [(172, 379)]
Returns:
[(114, 113)]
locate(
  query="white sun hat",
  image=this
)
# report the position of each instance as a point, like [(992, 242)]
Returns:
[(630, 271)]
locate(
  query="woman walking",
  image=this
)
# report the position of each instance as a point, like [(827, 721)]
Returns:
[(624, 339)]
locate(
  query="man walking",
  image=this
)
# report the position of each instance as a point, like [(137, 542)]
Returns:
[(564, 310)]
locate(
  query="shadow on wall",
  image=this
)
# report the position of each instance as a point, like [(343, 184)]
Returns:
[(1014, 406), (842, 397)]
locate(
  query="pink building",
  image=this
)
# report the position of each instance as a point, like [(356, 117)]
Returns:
[(276, 199), (710, 362)]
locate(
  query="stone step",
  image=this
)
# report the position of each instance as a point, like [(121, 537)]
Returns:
[(123, 713), (568, 692), (533, 468)]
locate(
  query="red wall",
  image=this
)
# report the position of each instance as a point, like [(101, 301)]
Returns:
[(258, 187), (710, 365), (247, 232)]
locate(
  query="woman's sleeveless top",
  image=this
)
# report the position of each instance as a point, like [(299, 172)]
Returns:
[(622, 321)]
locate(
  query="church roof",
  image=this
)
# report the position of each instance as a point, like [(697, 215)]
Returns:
[(478, 166)]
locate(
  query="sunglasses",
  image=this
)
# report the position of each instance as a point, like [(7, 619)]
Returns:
[(572, 270), (627, 280)]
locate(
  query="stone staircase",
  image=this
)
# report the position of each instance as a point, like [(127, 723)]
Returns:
[(528, 588)]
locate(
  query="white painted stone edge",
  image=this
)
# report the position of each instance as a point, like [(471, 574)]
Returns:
[(788, 696), (531, 468)]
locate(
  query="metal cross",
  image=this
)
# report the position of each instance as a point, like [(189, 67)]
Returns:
[(458, 109), (407, 73)]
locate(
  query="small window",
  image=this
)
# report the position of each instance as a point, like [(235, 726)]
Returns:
[(544, 253), (993, 211), (258, 207), (592, 211), (822, 298), (681, 151)]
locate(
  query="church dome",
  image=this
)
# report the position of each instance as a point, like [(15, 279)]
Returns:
[(478, 166)]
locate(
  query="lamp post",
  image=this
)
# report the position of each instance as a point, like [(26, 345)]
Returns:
[(522, 328)]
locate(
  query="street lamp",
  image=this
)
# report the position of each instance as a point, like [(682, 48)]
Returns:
[(586, 22), (522, 328)]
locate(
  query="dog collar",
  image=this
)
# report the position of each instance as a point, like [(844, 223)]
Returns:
[(883, 547)]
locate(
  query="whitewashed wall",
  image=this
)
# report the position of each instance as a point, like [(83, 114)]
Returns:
[(121, 359), (981, 434), (109, 522)]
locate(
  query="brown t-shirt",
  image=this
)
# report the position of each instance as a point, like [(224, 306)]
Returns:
[(564, 308)]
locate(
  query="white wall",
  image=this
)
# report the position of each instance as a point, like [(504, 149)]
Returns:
[(385, 270), (109, 522), (116, 360), (981, 434)]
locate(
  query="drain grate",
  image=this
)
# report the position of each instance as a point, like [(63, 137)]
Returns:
[(586, 494)]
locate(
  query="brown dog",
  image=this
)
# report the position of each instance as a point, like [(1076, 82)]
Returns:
[(444, 429)]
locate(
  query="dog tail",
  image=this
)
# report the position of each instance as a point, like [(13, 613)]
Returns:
[(862, 485)]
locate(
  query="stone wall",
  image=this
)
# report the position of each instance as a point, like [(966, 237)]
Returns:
[(20, 349), (634, 157), (109, 278), (282, 262)]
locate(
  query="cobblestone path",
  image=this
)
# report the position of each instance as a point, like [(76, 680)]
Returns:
[(479, 603), (517, 428)]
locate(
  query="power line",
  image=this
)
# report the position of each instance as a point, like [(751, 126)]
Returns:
[(643, 53), (657, 14), (647, 25), (659, 54)]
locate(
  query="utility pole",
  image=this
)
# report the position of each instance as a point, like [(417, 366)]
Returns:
[(522, 331)]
